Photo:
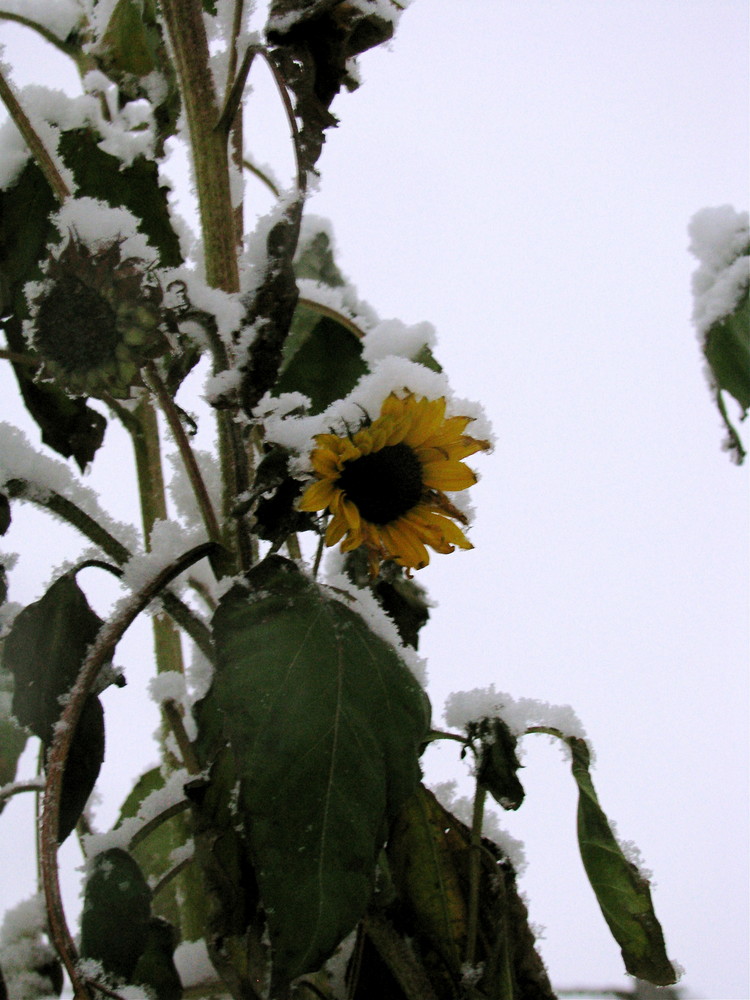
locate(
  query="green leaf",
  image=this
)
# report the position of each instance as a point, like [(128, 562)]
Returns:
[(82, 766), (498, 763), (155, 968), (325, 366), (621, 891), (325, 723), (727, 350), (428, 879), (116, 914), (314, 261), (45, 649)]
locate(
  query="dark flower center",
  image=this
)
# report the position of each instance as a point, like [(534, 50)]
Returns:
[(76, 326), (385, 484)]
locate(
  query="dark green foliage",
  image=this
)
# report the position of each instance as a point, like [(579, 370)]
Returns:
[(4, 523), (116, 914), (325, 367), (727, 350), (82, 766), (45, 649), (326, 748), (498, 763), (621, 891), (155, 968)]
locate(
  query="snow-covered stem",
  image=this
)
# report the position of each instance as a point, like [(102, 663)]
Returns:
[(187, 35), (186, 453), (155, 822), (16, 787), (49, 36), (475, 867), (68, 511), (38, 150), (99, 653)]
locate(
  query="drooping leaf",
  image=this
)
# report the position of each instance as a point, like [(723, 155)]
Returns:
[(727, 350), (82, 766), (116, 914), (403, 600), (45, 649), (325, 723), (423, 866), (68, 425), (621, 891), (498, 763), (434, 863), (326, 366)]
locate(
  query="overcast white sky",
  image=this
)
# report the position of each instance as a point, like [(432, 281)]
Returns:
[(522, 175)]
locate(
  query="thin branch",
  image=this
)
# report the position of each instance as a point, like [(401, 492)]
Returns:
[(47, 35), (234, 93), (20, 359), (171, 874), (262, 177), (16, 787), (38, 150), (186, 453), (291, 118), (475, 861), (99, 653), (155, 822)]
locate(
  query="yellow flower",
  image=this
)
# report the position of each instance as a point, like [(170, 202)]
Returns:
[(384, 485)]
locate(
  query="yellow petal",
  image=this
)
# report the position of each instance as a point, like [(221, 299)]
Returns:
[(444, 475), (318, 495)]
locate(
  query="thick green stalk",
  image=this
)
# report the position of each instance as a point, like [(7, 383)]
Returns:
[(184, 20), (145, 435)]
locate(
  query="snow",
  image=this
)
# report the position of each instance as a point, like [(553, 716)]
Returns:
[(181, 491), (96, 224), (157, 802), (193, 964), (367, 607), (389, 374), (396, 338), (23, 949), (168, 686), (18, 460), (60, 17), (465, 707), (169, 541), (462, 808), (720, 240)]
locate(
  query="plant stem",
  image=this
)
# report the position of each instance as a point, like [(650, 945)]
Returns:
[(184, 20), (99, 652), (475, 861), (186, 453), (38, 150)]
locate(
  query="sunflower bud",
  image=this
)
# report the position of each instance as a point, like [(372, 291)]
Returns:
[(95, 320)]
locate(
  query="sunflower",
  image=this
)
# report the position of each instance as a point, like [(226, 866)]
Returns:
[(96, 318), (384, 485)]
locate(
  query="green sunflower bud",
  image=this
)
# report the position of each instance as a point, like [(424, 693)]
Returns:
[(96, 319)]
